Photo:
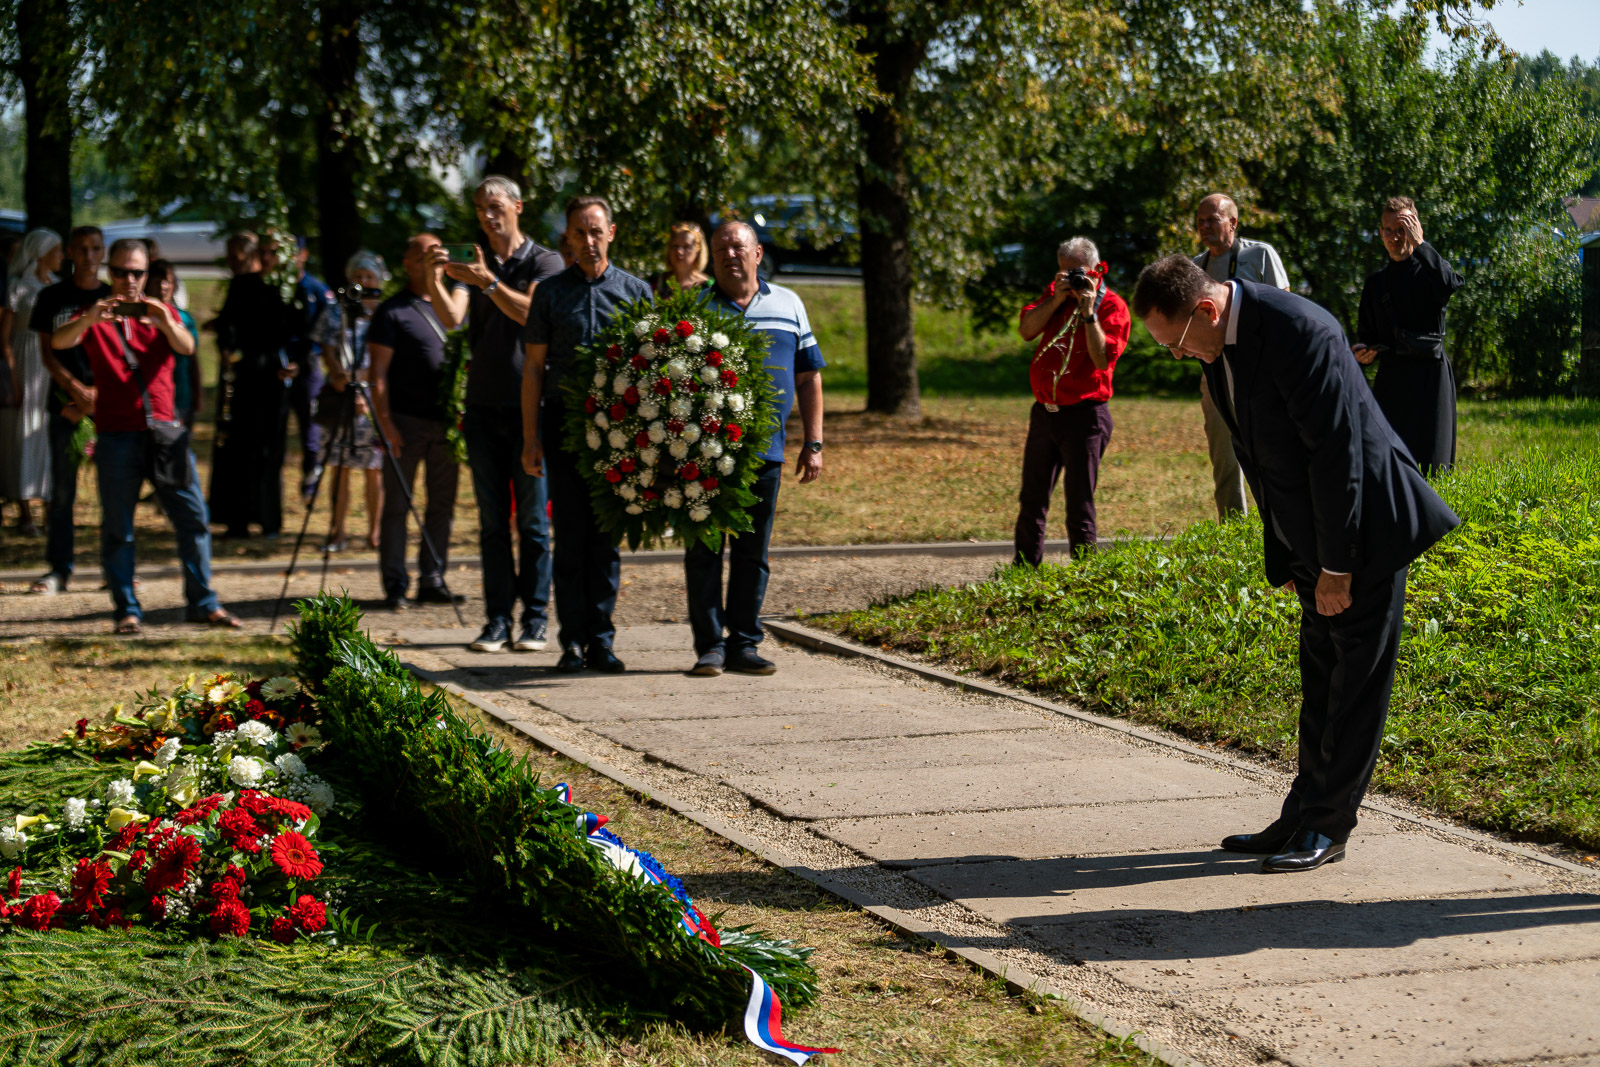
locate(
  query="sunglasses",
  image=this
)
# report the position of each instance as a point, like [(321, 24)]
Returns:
[(1173, 348), (125, 272)]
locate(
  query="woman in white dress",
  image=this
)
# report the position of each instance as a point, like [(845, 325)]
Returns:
[(24, 441)]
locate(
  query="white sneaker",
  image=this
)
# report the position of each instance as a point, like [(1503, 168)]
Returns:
[(532, 638), (493, 639)]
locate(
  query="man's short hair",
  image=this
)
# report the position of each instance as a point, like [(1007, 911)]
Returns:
[(729, 225), (496, 185), (243, 243), (84, 231), (1079, 248), (1229, 205), (1171, 285), (578, 203), (127, 244), (1396, 204), (415, 240)]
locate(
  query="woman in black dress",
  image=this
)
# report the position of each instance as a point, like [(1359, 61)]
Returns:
[(252, 398), (1401, 323)]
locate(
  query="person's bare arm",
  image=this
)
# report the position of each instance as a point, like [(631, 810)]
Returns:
[(166, 320), (808, 394), (378, 377), (1034, 321), (478, 274), (449, 304), (532, 395), (70, 334)]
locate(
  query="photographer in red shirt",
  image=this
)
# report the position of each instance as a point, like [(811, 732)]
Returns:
[(1082, 327), (130, 344)]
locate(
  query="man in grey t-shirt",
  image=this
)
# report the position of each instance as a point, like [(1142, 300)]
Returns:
[(1229, 256)]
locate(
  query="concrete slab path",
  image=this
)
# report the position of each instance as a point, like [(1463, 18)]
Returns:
[(1089, 856)]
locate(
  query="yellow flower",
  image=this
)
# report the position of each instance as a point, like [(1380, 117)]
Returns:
[(25, 821), (117, 818), (222, 693), (186, 790), (146, 767)]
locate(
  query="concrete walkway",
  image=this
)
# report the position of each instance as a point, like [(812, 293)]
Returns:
[(1087, 855)]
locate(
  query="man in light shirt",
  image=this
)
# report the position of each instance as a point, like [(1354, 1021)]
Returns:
[(1229, 257)]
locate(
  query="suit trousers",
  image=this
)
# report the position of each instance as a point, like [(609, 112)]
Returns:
[(423, 442), (1066, 444), (1227, 480), (587, 565), (1347, 665)]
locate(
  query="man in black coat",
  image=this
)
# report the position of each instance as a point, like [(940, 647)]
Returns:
[(1345, 511)]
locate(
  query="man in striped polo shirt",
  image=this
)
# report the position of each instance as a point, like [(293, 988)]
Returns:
[(795, 363)]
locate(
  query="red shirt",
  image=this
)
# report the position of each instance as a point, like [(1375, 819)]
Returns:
[(117, 403), (1082, 380)]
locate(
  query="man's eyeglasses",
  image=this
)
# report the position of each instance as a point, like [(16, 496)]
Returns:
[(1173, 348), (125, 272)]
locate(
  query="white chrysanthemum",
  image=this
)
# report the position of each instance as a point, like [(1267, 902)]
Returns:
[(621, 384), (302, 734), (676, 369), (290, 765), (167, 752), (672, 498), (714, 399), (593, 438), (708, 375), (695, 343), (680, 407), (691, 433), (279, 688), (319, 798), (119, 792), (602, 420), (648, 350), (647, 477), (657, 432), (599, 378), (649, 409), (616, 438), (711, 448), (692, 490), (726, 464), (257, 733), (634, 509), (678, 449), (719, 340), (735, 402), (642, 328), (626, 491), (76, 810), (699, 513), (12, 841), (246, 771)]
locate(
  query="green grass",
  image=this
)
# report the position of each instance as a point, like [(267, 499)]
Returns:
[(1496, 711)]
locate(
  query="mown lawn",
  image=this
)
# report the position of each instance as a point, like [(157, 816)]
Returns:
[(1496, 712)]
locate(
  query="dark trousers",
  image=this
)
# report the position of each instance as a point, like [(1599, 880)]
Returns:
[(59, 551), (588, 566), (1064, 444), (1347, 664), (423, 442), (504, 491), (748, 572)]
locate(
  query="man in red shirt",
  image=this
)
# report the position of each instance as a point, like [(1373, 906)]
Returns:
[(130, 343), (1070, 425)]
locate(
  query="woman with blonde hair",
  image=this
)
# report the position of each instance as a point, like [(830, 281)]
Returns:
[(24, 437), (686, 257)]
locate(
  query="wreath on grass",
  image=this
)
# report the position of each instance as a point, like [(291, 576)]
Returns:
[(670, 428)]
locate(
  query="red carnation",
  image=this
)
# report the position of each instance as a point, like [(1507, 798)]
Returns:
[(253, 688), (614, 353), (709, 425), (223, 889), (309, 913), (38, 912), (642, 439), (708, 483), (14, 884), (630, 396), (638, 363), (627, 466), (694, 386), (234, 873), (733, 430), (651, 494), (90, 880), (714, 358), (225, 722), (124, 837), (283, 930), (689, 471), (591, 405), (294, 856), (158, 907), (240, 831), (618, 411), (254, 709), (83, 728), (661, 336), (138, 859), (110, 917), (230, 918), (171, 868), (198, 811), (730, 379), (674, 425), (663, 387), (613, 476), (685, 328)]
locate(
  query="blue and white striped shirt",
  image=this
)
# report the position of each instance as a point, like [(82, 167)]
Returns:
[(792, 349)]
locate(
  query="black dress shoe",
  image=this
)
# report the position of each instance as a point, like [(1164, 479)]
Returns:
[(745, 661), (1306, 851), (438, 594), (494, 637), (1265, 843), (600, 658), (571, 661)]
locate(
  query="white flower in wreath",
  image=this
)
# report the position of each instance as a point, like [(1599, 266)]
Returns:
[(620, 384), (600, 379), (12, 841), (649, 457), (634, 509), (258, 733), (678, 449), (649, 409), (602, 420), (676, 369), (715, 398), (711, 448), (626, 491), (735, 402), (691, 433), (76, 811), (695, 343), (279, 688), (167, 752), (708, 375), (733, 351), (289, 765), (672, 498), (319, 797), (692, 490), (593, 439), (719, 340), (246, 771), (680, 407), (647, 478), (726, 464), (657, 432), (119, 793), (699, 513), (617, 439), (647, 350)]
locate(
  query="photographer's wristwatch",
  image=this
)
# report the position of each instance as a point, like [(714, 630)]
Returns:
[(814, 447)]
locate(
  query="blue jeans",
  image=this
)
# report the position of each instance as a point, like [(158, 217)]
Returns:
[(589, 567), (120, 457), (748, 572), (58, 549), (494, 452)]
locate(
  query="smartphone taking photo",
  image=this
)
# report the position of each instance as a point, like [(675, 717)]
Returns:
[(462, 253), (130, 309)]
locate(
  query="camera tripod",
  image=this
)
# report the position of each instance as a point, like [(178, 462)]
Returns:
[(345, 436)]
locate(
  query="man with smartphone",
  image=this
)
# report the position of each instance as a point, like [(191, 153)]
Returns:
[(130, 343), (490, 293)]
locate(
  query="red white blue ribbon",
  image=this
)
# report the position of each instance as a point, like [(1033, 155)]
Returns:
[(763, 1024)]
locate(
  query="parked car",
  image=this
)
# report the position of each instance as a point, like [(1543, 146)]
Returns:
[(793, 241), (13, 221), (188, 243)]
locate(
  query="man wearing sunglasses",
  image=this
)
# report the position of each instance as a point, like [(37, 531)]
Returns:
[(130, 343), (1345, 511)]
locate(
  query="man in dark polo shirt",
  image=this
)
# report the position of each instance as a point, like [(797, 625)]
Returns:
[(491, 295), (568, 312), (406, 343), (71, 377)]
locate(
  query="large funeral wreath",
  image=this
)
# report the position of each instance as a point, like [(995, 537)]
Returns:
[(670, 425)]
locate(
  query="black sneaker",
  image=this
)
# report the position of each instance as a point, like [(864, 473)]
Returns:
[(571, 661), (745, 661), (532, 638), (708, 665), (601, 658), (396, 602), (440, 594), (494, 637)]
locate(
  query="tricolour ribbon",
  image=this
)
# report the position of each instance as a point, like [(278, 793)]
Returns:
[(763, 1024)]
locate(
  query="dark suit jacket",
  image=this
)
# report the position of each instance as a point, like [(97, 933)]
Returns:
[(1336, 487)]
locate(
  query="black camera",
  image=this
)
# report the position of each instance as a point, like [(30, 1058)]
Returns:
[(360, 292), (1079, 280)]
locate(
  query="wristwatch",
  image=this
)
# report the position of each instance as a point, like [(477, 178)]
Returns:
[(814, 446), (491, 287)]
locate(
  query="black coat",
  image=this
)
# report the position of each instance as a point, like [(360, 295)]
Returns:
[(1337, 488)]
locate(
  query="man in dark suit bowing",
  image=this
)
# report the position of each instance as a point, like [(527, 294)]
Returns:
[(1345, 511)]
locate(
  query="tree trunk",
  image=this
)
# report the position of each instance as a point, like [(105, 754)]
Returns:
[(883, 198), (508, 161), (44, 40), (338, 208)]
